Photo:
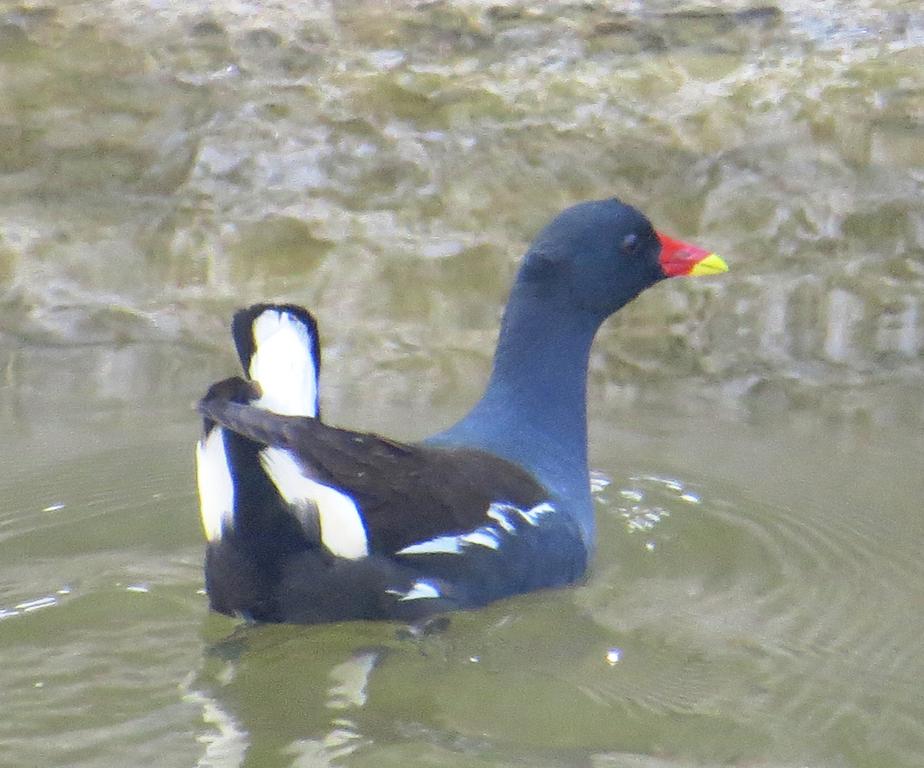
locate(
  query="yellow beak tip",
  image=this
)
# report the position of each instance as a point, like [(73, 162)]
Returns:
[(713, 264)]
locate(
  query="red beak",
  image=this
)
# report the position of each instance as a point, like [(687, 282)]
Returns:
[(679, 259)]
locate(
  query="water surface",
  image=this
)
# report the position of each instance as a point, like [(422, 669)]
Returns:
[(758, 595)]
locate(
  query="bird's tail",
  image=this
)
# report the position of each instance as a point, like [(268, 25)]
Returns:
[(249, 526), (279, 350)]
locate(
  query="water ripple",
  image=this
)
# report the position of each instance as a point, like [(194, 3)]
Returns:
[(813, 607)]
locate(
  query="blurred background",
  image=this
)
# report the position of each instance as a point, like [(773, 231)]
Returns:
[(758, 595)]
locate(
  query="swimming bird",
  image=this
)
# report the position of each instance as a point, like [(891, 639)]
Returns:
[(307, 523)]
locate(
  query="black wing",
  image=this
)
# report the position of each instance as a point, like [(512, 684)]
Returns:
[(406, 493)]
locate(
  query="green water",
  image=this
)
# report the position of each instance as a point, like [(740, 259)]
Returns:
[(758, 593)]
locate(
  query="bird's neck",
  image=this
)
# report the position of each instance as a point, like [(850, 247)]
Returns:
[(539, 379), (534, 409)]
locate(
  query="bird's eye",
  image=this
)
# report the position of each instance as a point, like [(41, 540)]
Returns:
[(629, 244)]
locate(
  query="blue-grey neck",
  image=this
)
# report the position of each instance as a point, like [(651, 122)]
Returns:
[(534, 410)]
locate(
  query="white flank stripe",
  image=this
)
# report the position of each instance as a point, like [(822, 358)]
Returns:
[(496, 513), (488, 536), (421, 590), (216, 487), (450, 545), (283, 366), (342, 529), (483, 537), (532, 516)]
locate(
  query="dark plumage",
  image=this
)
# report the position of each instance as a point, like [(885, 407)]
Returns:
[(307, 523)]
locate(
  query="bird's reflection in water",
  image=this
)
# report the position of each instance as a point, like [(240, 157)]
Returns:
[(271, 691)]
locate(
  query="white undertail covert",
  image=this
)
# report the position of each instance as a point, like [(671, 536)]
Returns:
[(283, 366)]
